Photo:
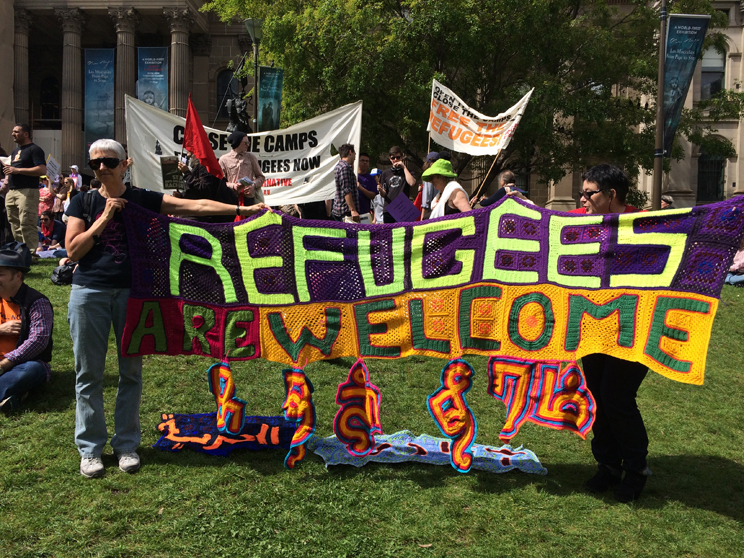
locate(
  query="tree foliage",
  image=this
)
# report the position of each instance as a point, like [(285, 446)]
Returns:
[(589, 61)]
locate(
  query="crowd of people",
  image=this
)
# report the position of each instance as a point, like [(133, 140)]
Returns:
[(92, 237), (367, 197)]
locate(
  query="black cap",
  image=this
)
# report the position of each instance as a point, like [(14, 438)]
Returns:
[(235, 138), (11, 258)]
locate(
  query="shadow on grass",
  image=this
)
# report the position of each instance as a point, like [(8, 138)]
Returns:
[(266, 462), (705, 482), (55, 396), (59, 393), (710, 483)]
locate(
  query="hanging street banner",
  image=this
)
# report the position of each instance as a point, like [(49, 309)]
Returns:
[(99, 95), (270, 83), (511, 281), (456, 126), (685, 36), (152, 76), (296, 161)]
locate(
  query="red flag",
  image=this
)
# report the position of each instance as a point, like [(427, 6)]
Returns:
[(417, 204), (195, 140)]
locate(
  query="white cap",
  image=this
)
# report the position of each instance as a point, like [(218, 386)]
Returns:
[(74, 167)]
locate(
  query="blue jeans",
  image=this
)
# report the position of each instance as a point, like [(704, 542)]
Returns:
[(90, 314), (735, 279), (20, 379)]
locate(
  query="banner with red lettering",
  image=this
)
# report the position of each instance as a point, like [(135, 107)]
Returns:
[(298, 161), (456, 126)]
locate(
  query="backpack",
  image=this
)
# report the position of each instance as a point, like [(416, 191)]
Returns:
[(62, 275), (88, 208)]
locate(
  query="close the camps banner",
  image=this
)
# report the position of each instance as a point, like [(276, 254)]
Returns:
[(296, 161), (458, 127), (512, 281)]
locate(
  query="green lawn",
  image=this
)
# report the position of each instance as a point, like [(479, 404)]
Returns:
[(189, 504)]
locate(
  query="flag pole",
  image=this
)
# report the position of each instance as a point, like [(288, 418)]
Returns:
[(659, 146), (475, 196)]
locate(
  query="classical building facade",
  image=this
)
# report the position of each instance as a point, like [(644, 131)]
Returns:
[(49, 40), (699, 178), (45, 84)]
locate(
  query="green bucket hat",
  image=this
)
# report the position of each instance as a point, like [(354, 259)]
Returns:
[(440, 166)]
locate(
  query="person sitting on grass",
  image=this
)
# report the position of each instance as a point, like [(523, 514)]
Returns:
[(100, 289), (26, 322), (52, 233), (735, 275)]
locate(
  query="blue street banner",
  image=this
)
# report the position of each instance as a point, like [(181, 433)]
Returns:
[(99, 94), (152, 76), (685, 37), (270, 83)]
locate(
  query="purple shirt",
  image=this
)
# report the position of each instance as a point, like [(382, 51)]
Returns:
[(368, 182)]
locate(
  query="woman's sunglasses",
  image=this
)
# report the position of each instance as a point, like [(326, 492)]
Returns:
[(110, 162)]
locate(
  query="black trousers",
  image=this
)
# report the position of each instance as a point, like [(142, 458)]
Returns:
[(620, 440)]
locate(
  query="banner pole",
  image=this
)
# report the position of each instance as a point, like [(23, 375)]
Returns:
[(428, 145), (475, 196), (659, 146)]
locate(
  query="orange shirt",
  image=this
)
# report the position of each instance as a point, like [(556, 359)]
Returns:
[(8, 312)]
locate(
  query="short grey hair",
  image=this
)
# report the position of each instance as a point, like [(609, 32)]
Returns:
[(108, 145)]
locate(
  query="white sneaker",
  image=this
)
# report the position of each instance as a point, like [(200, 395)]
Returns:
[(6, 405), (91, 467), (129, 462)]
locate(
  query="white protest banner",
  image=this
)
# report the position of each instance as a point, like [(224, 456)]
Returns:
[(456, 126), (297, 161), (53, 167)]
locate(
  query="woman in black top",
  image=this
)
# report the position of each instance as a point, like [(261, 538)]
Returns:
[(100, 288)]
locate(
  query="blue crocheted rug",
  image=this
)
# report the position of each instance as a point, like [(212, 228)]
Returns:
[(403, 446)]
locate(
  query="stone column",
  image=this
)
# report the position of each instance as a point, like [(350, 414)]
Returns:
[(20, 51), (125, 20), (73, 21), (201, 47), (180, 20), (683, 175), (561, 194)]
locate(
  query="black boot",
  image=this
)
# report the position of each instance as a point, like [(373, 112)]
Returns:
[(631, 487), (606, 478)]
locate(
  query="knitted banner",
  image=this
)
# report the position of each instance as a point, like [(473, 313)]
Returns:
[(404, 446), (511, 281), (200, 433)]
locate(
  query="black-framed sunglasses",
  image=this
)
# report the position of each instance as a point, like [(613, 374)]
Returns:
[(110, 162), (589, 193), (395, 157)]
